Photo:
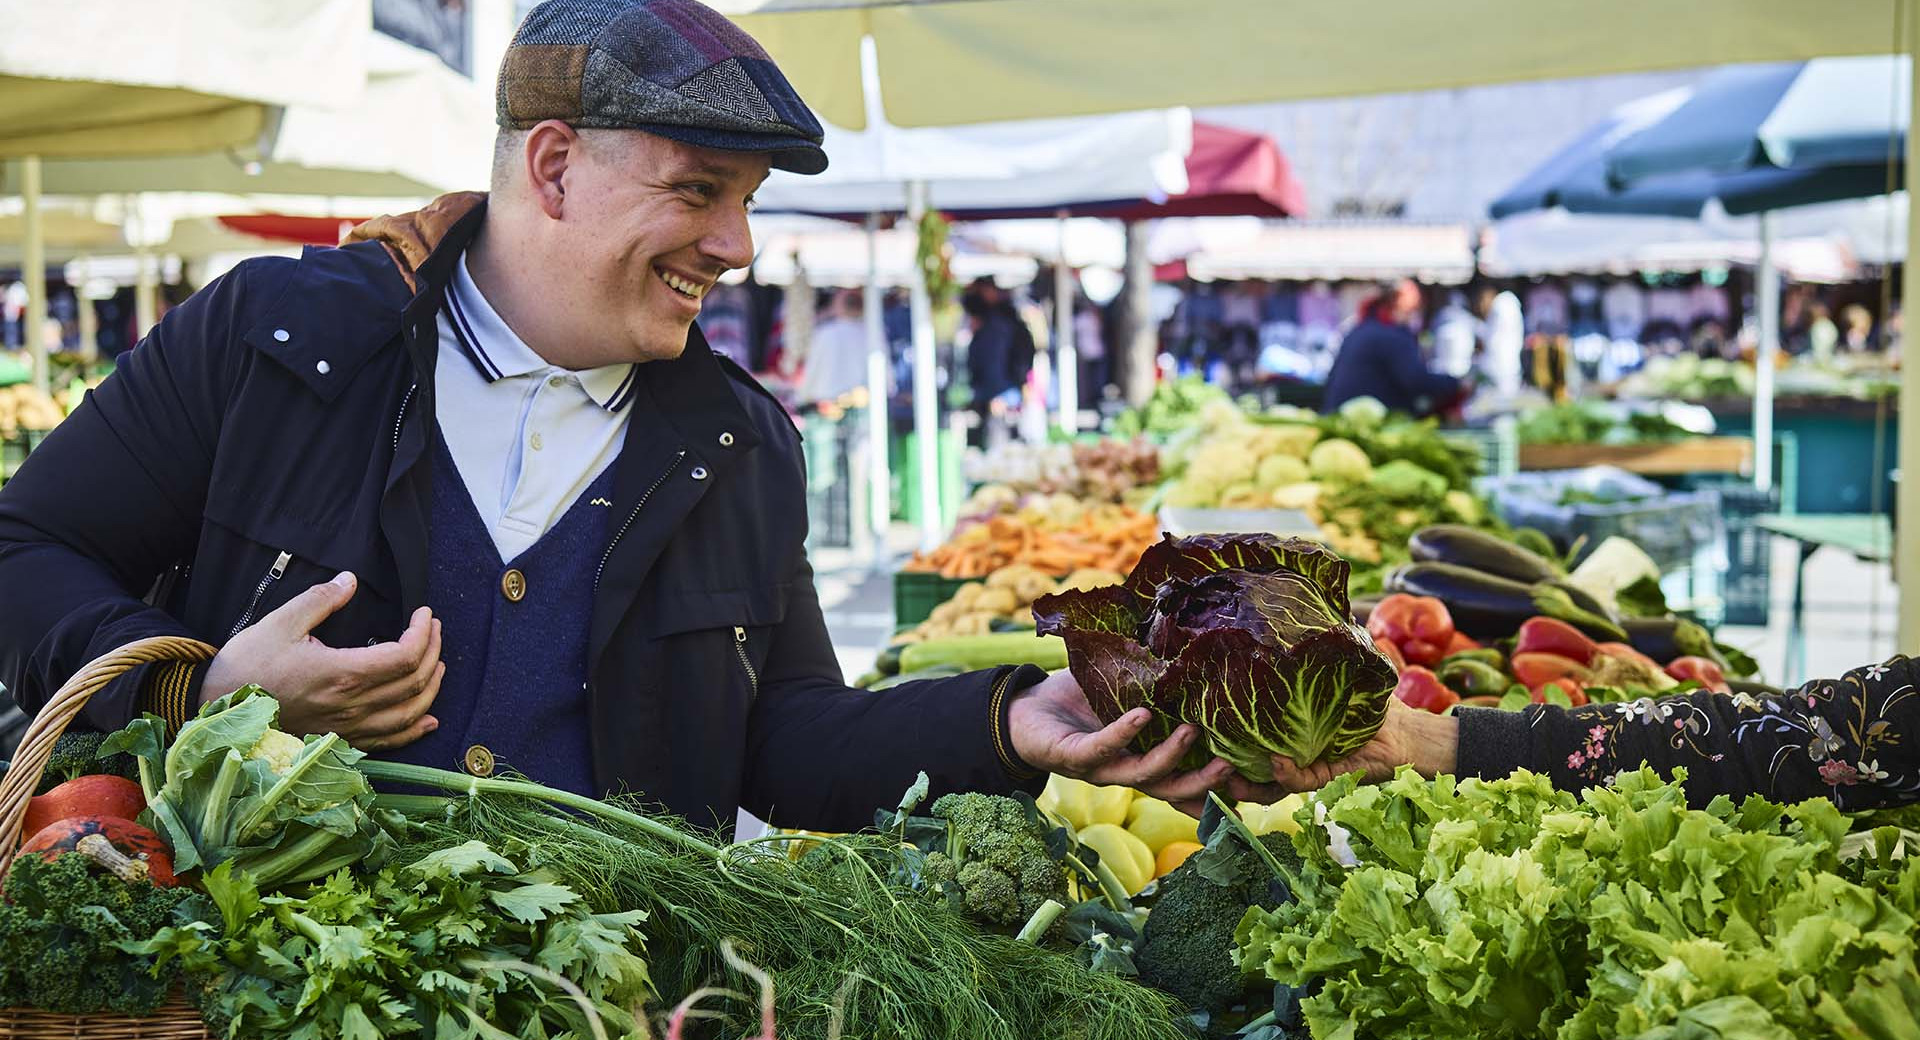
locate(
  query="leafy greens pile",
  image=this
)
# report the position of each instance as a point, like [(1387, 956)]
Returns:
[(1506, 908), (1248, 637)]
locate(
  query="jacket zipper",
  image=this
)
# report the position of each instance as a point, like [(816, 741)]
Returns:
[(635, 515), (740, 647), (401, 419), (273, 574)]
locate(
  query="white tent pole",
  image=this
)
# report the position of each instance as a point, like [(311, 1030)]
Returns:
[(89, 320), (1767, 300), (1065, 357), (926, 417), (879, 386), (1907, 564), (146, 291), (33, 271)]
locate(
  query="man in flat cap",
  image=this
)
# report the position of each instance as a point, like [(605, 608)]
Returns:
[(472, 491)]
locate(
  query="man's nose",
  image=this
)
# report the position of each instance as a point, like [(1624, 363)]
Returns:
[(730, 241)]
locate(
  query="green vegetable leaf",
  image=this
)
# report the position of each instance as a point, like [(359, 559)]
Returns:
[(535, 902), (461, 860), (1642, 598)]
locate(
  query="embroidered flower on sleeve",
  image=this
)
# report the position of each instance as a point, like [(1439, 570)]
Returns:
[(1876, 672), (1871, 771), (1576, 760), (1838, 774), (1744, 701)]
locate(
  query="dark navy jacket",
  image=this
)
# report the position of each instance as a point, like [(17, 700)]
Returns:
[(1383, 361), (287, 408)]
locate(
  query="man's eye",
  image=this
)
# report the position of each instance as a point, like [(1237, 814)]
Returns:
[(705, 191)]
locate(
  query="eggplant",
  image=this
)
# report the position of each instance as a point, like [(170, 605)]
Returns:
[(1477, 550), (1487, 607), (1665, 639)]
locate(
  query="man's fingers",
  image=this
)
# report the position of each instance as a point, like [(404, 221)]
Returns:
[(1190, 787), (1089, 752), (406, 718), (303, 613), (408, 685), (1154, 765), (384, 662)]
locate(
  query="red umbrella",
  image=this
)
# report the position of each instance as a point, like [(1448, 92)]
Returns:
[(312, 231), (1230, 173)]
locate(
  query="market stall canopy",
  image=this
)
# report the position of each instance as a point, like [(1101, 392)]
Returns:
[(833, 254), (415, 128), (1229, 173), (196, 75), (1020, 164), (1814, 115), (946, 62), (1577, 179), (1307, 250)]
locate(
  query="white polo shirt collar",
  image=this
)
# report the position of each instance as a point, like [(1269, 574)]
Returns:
[(497, 353)]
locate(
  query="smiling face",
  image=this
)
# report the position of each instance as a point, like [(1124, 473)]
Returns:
[(610, 239)]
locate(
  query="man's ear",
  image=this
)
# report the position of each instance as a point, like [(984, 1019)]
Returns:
[(550, 147)]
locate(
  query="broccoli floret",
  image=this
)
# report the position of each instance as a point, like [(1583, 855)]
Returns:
[(58, 934), (76, 754), (997, 856), (1186, 948)]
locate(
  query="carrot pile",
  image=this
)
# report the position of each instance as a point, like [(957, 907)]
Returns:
[(1107, 538)]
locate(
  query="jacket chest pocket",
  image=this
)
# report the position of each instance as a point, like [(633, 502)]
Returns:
[(241, 576), (722, 637)]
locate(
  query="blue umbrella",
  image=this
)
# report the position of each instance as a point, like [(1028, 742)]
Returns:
[(1823, 114), (1578, 179)]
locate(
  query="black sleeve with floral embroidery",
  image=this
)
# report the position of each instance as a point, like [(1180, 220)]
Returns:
[(1855, 740)]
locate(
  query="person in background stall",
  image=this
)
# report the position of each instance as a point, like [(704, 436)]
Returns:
[(1504, 337), (1090, 346), (1454, 339), (837, 357), (1857, 332), (998, 356), (1380, 358)]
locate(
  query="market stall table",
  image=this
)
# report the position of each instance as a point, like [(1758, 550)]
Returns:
[(1867, 537)]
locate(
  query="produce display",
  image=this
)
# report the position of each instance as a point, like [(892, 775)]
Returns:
[(1103, 537), (1368, 479), (1247, 637), (1506, 908), (1591, 422), (1004, 599), (502, 908), (1102, 471), (22, 407), (1172, 407), (1484, 622)]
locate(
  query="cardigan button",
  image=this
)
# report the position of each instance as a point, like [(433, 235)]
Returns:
[(478, 760), (513, 585)]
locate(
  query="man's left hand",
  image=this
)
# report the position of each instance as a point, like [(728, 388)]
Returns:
[(1054, 729)]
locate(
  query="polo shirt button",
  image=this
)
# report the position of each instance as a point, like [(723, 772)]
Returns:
[(726, 440), (281, 335), (699, 473), (513, 585), (478, 760)]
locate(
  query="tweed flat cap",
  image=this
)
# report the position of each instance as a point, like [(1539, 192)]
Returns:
[(675, 68)]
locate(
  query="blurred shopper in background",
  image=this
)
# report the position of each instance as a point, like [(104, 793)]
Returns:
[(837, 357), (1380, 358), (1503, 336), (999, 354)]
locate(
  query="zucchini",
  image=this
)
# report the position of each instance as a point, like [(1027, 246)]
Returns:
[(988, 651), (1478, 550)]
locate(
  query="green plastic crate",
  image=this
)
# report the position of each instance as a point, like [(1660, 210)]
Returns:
[(916, 594)]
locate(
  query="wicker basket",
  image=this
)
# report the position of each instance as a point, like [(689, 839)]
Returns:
[(174, 1020)]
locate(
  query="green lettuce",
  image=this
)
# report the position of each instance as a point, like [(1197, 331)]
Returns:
[(232, 787), (1506, 908), (1248, 637)]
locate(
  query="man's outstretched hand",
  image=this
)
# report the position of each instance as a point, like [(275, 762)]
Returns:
[(1055, 730)]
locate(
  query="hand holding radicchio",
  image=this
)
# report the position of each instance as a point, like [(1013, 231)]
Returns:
[(1248, 637)]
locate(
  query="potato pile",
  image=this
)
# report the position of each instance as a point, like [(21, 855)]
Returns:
[(1006, 595), (24, 408)]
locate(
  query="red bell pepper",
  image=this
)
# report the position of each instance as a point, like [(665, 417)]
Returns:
[(1420, 688), (1461, 643), (1552, 636), (1699, 669), (1419, 625), (1538, 668), (1393, 653), (1576, 694)]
